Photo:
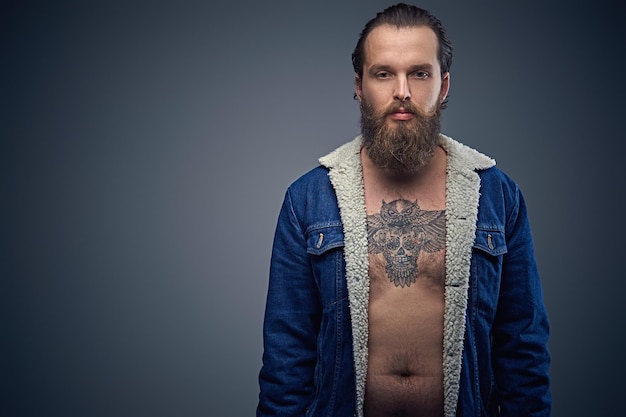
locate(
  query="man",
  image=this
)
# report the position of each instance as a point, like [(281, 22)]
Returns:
[(403, 279)]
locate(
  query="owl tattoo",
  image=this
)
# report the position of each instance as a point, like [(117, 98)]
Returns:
[(400, 232)]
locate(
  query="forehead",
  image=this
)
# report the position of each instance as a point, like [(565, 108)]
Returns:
[(391, 45)]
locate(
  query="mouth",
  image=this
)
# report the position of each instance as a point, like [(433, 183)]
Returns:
[(401, 115), (403, 262)]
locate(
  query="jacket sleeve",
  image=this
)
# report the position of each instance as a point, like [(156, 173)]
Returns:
[(520, 333), (292, 317)]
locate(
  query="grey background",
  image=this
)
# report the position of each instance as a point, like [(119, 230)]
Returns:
[(145, 149)]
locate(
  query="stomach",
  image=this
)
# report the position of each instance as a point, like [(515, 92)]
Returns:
[(405, 352)]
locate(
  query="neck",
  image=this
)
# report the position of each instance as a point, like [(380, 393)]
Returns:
[(435, 166), (427, 185)]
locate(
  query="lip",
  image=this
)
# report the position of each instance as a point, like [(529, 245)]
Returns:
[(401, 115)]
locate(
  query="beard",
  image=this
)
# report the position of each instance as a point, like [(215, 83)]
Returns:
[(405, 146)]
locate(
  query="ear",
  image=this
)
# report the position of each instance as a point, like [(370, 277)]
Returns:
[(445, 87), (358, 87)]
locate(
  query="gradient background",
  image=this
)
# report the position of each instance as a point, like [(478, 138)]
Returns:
[(146, 146)]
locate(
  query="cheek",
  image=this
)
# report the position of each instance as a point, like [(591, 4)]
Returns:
[(427, 101), (377, 94)]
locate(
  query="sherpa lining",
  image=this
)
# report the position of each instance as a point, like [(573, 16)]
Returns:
[(462, 194)]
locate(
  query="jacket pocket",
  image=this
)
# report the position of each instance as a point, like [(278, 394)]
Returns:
[(322, 238), (490, 241)]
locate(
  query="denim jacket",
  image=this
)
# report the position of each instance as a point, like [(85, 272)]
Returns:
[(495, 359)]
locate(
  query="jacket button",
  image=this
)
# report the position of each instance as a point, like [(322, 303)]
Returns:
[(320, 240)]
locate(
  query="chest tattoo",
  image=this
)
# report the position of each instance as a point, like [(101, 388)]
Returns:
[(400, 232)]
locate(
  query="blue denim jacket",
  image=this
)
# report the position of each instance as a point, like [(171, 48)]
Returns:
[(495, 358)]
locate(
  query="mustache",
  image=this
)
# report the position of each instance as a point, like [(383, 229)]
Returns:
[(405, 106), (368, 110)]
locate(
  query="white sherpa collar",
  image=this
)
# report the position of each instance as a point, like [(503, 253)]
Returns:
[(462, 193)]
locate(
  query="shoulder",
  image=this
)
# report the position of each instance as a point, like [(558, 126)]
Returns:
[(314, 179), (312, 196), (494, 177), (496, 187), (310, 191)]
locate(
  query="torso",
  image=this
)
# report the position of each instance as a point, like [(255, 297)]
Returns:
[(406, 245)]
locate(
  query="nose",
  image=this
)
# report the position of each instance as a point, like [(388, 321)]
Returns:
[(402, 91)]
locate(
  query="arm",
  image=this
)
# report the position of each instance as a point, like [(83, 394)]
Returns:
[(520, 332), (292, 317)]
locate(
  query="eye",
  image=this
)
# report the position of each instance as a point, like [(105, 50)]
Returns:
[(421, 74), (383, 75), (393, 243), (409, 243)]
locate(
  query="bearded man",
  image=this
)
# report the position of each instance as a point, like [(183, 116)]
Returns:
[(403, 280)]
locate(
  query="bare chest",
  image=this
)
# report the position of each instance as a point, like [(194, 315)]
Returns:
[(406, 243), (406, 247)]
